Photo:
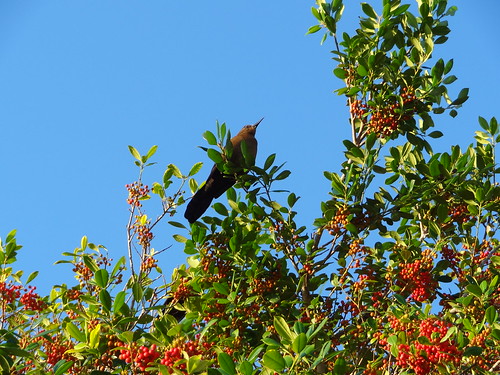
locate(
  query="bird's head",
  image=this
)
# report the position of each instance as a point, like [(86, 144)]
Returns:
[(251, 129)]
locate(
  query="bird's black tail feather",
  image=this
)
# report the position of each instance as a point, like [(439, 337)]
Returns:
[(198, 204)]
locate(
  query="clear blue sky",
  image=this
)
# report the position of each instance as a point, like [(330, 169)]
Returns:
[(81, 80)]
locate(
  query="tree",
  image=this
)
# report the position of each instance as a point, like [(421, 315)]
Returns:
[(399, 277)]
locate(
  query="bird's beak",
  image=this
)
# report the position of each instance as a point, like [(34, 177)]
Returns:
[(258, 122)]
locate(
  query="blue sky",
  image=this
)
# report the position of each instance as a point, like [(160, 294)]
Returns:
[(81, 80)]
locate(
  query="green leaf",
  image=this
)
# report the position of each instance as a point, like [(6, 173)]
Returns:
[(474, 289), (74, 332), (449, 79), (269, 161), (135, 153), (283, 329), (424, 340), (340, 73), (245, 368), (177, 224), (62, 366), (119, 301), (175, 170), (313, 29), (105, 299), (137, 291), (362, 71), (463, 95), (473, 351), (222, 288), (94, 337), (31, 277), (340, 367), (284, 174), (195, 169), (436, 134), (299, 343), (150, 153), (180, 238), (214, 155), (101, 278), (90, 263), (491, 315), (220, 209), (274, 360), (368, 10), (226, 363), (210, 138)]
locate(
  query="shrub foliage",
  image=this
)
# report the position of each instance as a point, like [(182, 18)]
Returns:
[(399, 276)]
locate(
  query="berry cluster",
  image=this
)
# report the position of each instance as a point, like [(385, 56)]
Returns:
[(174, 355), (73, 294), (182, 291), (56, 348), (148, 263), (423, 358), (9, 292), (459, 213), (416, 278), (267, 283), (385, 120), (340, 220), (137, 192), (143, 231), (212, 263), (32, 300), (490, 352), (83, 273), (143, 356)]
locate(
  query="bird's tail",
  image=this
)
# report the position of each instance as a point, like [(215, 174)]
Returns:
[(198, 204)]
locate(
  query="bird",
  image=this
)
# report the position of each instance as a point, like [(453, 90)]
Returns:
[(218, 182)]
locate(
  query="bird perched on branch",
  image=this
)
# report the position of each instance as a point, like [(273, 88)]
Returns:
[(217, 182)]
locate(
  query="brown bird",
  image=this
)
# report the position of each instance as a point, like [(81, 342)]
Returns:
[(217, 182)]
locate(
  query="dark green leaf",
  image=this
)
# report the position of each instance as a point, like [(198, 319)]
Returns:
[(137, 291), (177, 224), (473, 351), (269, 161), (119, 301), (491, 315), (435, 134), (105, 299), (245, 368), (210, 138), (222, 288), (62, 366), (340, 367), (340, 73), (75, 332), (283, 329), (299, 343), (31, 277), (284, 174), (102, 278), (474, 289), (226, 363), (368, 10), (214, 155), (220, 209)]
